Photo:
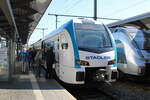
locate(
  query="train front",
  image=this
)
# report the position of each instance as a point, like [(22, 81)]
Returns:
[(141, 39), (97, 54)]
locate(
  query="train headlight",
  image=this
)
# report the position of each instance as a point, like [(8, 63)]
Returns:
[(111, 62), (82, 63)]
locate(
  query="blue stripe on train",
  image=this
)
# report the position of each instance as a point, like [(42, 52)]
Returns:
[(114, 47), (121, 53), (70, 29)]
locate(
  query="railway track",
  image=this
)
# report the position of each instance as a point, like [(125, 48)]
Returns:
[(96, 92), (91, 94), (119, 90), (138, 84), (132, 90)]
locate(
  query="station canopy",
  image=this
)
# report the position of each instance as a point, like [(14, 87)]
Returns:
[(21, 17), (141, 21)]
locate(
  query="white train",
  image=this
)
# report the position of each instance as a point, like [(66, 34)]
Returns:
[(84, 51), (133, 50)]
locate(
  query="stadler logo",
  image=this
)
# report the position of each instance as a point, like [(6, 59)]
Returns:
[(97, 57)]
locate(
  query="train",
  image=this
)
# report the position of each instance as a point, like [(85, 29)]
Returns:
[(133, 50), (84, 51)]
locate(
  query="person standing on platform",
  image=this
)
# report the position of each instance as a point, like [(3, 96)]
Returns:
[(30, 61), (34, 52), (24, 59), (39, 62), (50, 59)]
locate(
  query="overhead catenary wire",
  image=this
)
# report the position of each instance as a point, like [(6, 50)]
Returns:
[(82, 16), (65, 7), (126, 8), (74, 5), (56, 15)]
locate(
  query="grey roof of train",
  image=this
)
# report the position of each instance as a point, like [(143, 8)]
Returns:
[(142, 21)]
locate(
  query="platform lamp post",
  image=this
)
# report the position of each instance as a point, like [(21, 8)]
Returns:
[(43, 29)]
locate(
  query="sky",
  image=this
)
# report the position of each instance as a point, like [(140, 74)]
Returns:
[(118, 9)]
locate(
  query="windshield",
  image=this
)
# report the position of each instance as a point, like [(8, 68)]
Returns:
[(141, 38), (93, 38)]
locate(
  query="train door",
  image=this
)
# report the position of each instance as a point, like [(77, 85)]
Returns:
[(121, 57), (56, 51), (62, 53), (122, 63)]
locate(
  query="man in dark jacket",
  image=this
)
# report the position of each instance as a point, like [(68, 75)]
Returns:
[(50, 59), (39, 62), (30, 61)]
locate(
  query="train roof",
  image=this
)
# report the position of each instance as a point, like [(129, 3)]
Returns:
[(57, 30), (87, 21), (40, 40), (142, 21)]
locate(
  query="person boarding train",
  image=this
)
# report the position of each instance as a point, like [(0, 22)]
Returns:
[(50, 59)]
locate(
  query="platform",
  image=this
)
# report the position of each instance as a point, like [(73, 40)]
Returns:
[(28, 87)]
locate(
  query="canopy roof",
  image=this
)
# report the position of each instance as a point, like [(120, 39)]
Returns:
[(21, 17)]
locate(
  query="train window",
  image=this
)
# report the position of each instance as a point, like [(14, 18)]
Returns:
[(116, 30), (55, 45), (64, 44), (121, 30), (93, 39), (50, 44)]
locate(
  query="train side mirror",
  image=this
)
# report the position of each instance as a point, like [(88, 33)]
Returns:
[(64, 45)]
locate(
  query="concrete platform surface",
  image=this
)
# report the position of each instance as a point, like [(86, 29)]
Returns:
[(28, 87)]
